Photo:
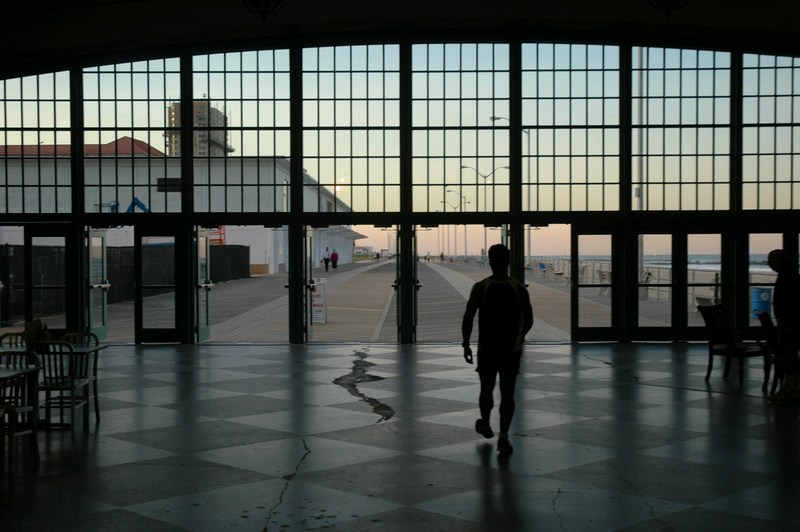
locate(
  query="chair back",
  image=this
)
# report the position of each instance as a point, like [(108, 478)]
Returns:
[(716, 328), (21, 358), (769, 330), (81, 338), (14, 394), (13, 339), (61, 364)]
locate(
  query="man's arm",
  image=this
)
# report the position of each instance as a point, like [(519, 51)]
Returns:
[(466, 323), (527, 309)]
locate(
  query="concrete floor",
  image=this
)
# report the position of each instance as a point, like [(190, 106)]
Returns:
[(380, 437)]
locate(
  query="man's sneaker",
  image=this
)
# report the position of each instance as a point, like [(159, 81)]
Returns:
[(504, 446), (482, 427)]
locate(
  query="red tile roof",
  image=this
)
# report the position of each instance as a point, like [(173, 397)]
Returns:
[(121, 146)]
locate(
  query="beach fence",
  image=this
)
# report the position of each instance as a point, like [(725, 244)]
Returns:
[(703, 284)]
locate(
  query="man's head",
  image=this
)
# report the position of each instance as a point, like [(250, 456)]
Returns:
[(499, 258), (778, 260)]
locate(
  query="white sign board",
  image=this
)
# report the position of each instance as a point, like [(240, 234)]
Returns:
[(319, 304)]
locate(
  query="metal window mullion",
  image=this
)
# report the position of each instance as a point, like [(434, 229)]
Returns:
[(77, 143), (23, 157), (39, 182), (258, 133), (792, 135), (317, 80), (735, 138), (554, 155), (775, 137), (351, 158), (4, 197)]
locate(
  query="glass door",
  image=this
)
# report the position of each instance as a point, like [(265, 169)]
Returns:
[(654, 281), (48, 261), (97, 269), (592, 295), (156, 295), (203, 285), (393, 234), (310, 288), (417, 285)]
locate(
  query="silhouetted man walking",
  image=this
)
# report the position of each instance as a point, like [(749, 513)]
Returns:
[(786, 306), (505, 315)]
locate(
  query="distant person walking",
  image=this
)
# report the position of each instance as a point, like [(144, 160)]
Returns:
[(505, 315), (334, 259), (326, 258), (786, 306)]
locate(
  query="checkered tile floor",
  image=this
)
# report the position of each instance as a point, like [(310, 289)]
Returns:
[(379, 438)]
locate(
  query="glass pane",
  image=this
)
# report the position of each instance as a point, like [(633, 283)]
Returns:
[(761, 277), (241, 141), (48, 278), (35, 144), (12, 276), (570, 117), (594, 296), (655, 280), (158, 308), (460, 137), (96, 299), (703, 274), (351, 137), (681, 135), (50, 305), (548, 275), (131, 117), (595, 307), (158, 261)]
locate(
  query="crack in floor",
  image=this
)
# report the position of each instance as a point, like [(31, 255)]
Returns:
[(288, 478), (358, 375)]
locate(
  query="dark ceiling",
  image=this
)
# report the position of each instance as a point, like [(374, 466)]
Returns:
[(48, 34)]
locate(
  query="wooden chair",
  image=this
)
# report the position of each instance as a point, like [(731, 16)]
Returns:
[(769, 334), (66, 381), (19, 413), (87, 339), (723, 341)]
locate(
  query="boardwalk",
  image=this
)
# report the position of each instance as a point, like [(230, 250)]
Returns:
[(361, 306)]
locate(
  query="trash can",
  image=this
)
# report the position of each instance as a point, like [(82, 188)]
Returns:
[(761, 300)]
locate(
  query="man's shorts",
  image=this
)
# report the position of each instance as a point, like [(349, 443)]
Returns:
[(495, 363)]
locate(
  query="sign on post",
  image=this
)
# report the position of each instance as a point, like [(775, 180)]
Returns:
[(319, 304)]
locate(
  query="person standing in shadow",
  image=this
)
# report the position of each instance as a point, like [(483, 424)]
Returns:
[(786, 306), (326, 258), (505, 316), (334, 259)]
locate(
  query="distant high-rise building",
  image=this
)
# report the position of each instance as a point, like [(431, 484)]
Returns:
[(210, 135)]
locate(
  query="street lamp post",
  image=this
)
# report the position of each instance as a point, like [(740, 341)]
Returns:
[(485, 187), (462, 201), (445, 203), (528, 133)]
